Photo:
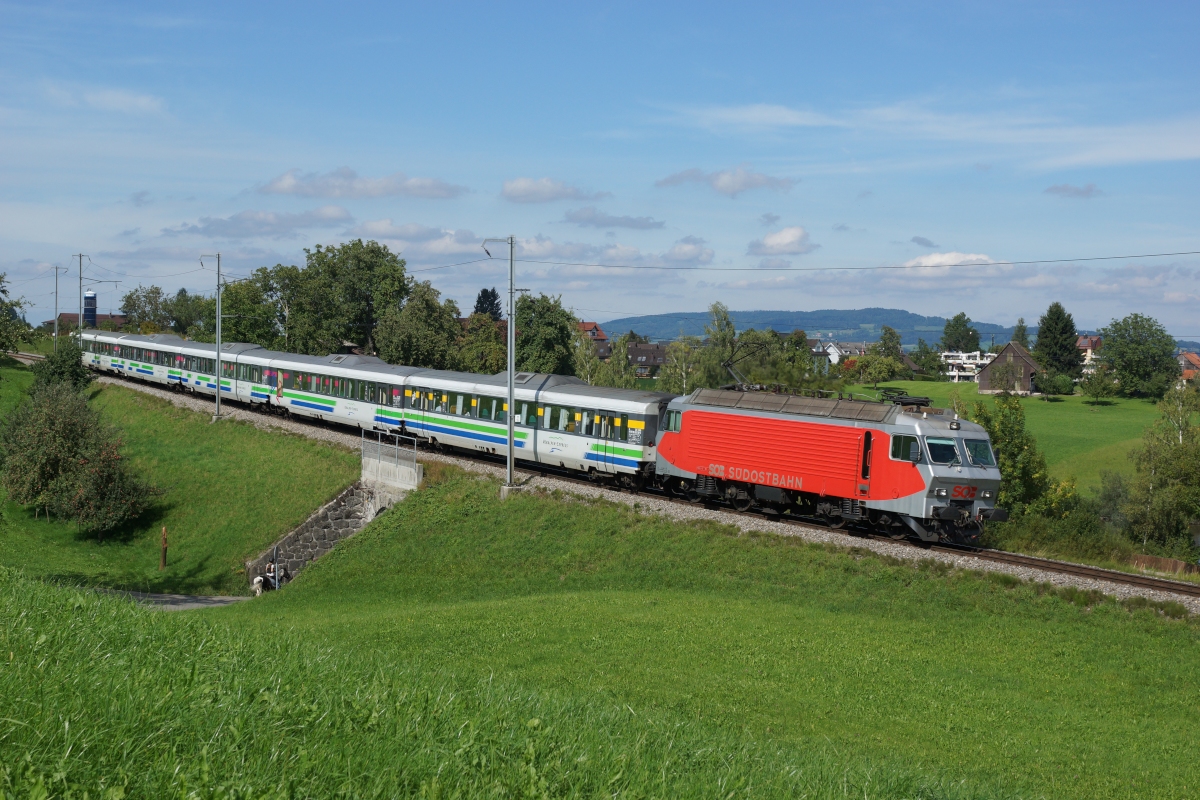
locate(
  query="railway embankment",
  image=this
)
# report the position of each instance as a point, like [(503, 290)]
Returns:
[(1028, 569)]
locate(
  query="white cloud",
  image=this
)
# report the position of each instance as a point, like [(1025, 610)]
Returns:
[(250, 224), (757, 115), (345, 182), (592, 217), (946, 259), (544, 190), (689, 250), (386, 229), (1077, 192), (121, 101), (729, 182), (790, 241)]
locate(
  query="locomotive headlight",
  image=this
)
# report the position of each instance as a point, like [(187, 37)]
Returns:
[(986, 495), (940, 492)]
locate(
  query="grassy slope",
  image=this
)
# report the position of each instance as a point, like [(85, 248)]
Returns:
[(1079, 439), (231, 490), (957, 675)]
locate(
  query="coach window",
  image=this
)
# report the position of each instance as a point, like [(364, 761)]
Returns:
[(589, 421), (227, 369), (460, 404), (501, 414), (483, 406), (412, 398)]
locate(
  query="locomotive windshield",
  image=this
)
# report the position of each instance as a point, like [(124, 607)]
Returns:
[(980, 452), (942, 451)]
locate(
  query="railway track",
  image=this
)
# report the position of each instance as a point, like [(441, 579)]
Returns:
[(998, 556)]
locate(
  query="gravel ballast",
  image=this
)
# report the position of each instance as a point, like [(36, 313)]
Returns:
[(649, 504)]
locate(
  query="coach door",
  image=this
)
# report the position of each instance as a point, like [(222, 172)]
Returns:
[(864, 465)]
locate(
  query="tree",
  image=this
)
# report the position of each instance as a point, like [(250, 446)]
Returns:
[(64, 365), (145, 309), (958, 335), (796, 365), (585, 356), (1141, 355), (1055, 349), (1165, 496), (1023, 473), (722, 338), (58, 454), (342, 294), (545, 332), (617, 372), (1099, 384), (488, 302), (184, 311), (424, 333), (928, 359), (680, 365), (879, 368), (13, 327), (1021, 333), (249, 313), (888, 344), (482, 347)]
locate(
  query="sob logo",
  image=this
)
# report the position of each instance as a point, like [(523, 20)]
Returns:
[(765, 477), (964, 492)]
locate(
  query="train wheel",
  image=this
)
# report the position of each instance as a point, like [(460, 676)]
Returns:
[(742, 502)]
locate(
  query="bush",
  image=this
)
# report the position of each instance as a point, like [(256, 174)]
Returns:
[(1081, 533), (58, 455), (1056, 384), (63, 366)]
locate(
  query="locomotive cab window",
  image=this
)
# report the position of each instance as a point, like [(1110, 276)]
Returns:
[(942, 451), (902, 446), (980, 452), (673, 421)]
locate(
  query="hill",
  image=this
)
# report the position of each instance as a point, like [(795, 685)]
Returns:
[(848, 325)]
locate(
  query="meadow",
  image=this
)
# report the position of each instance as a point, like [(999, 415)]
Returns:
[(230, 490), (1079, 439)]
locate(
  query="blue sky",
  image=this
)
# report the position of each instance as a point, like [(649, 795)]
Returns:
[(759, 143)]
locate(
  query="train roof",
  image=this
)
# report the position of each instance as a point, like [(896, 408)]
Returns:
[(796, 404), (547, 383)]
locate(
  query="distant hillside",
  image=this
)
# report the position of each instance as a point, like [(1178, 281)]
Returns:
[(847, 325)]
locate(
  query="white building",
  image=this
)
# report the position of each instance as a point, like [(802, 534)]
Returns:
[(965, 366)]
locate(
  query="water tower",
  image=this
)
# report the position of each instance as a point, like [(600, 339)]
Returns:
[(89, 310)]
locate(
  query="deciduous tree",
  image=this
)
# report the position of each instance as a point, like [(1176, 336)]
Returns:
[(680, 365), (888, 344), (617, 372), (1024, 476), (1141, 355), (545, 332), (146, 309), (483, 348), (424, 333), (585, 357), (64, 365)]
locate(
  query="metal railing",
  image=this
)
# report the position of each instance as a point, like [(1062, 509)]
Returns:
[(401, 450)]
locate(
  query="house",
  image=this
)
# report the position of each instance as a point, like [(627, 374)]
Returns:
[(68, 321), (837, 351), (647, 358), (965, 366), (1089, 347), (1014, 363), (599, 337), (1189, 366)]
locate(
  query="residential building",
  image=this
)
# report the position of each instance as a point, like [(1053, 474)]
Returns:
[(1089, 346), (68, 321), (599, 337), (1022, 368), (647, 358), (966, 366), (1189, 365)]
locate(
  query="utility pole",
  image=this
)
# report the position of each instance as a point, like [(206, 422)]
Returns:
[(79, 319), (217, 377), (509, 483)]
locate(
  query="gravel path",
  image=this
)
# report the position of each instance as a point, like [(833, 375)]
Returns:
[(654, 505)]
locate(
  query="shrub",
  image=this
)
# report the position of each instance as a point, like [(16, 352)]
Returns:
[(1060, 383), (59, 455), (63, 366)]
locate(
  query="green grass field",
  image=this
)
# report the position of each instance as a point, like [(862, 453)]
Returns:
[(1079, 439), (543, 647), (231, 489)]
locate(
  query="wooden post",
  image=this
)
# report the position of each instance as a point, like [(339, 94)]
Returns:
[(162, 562)]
